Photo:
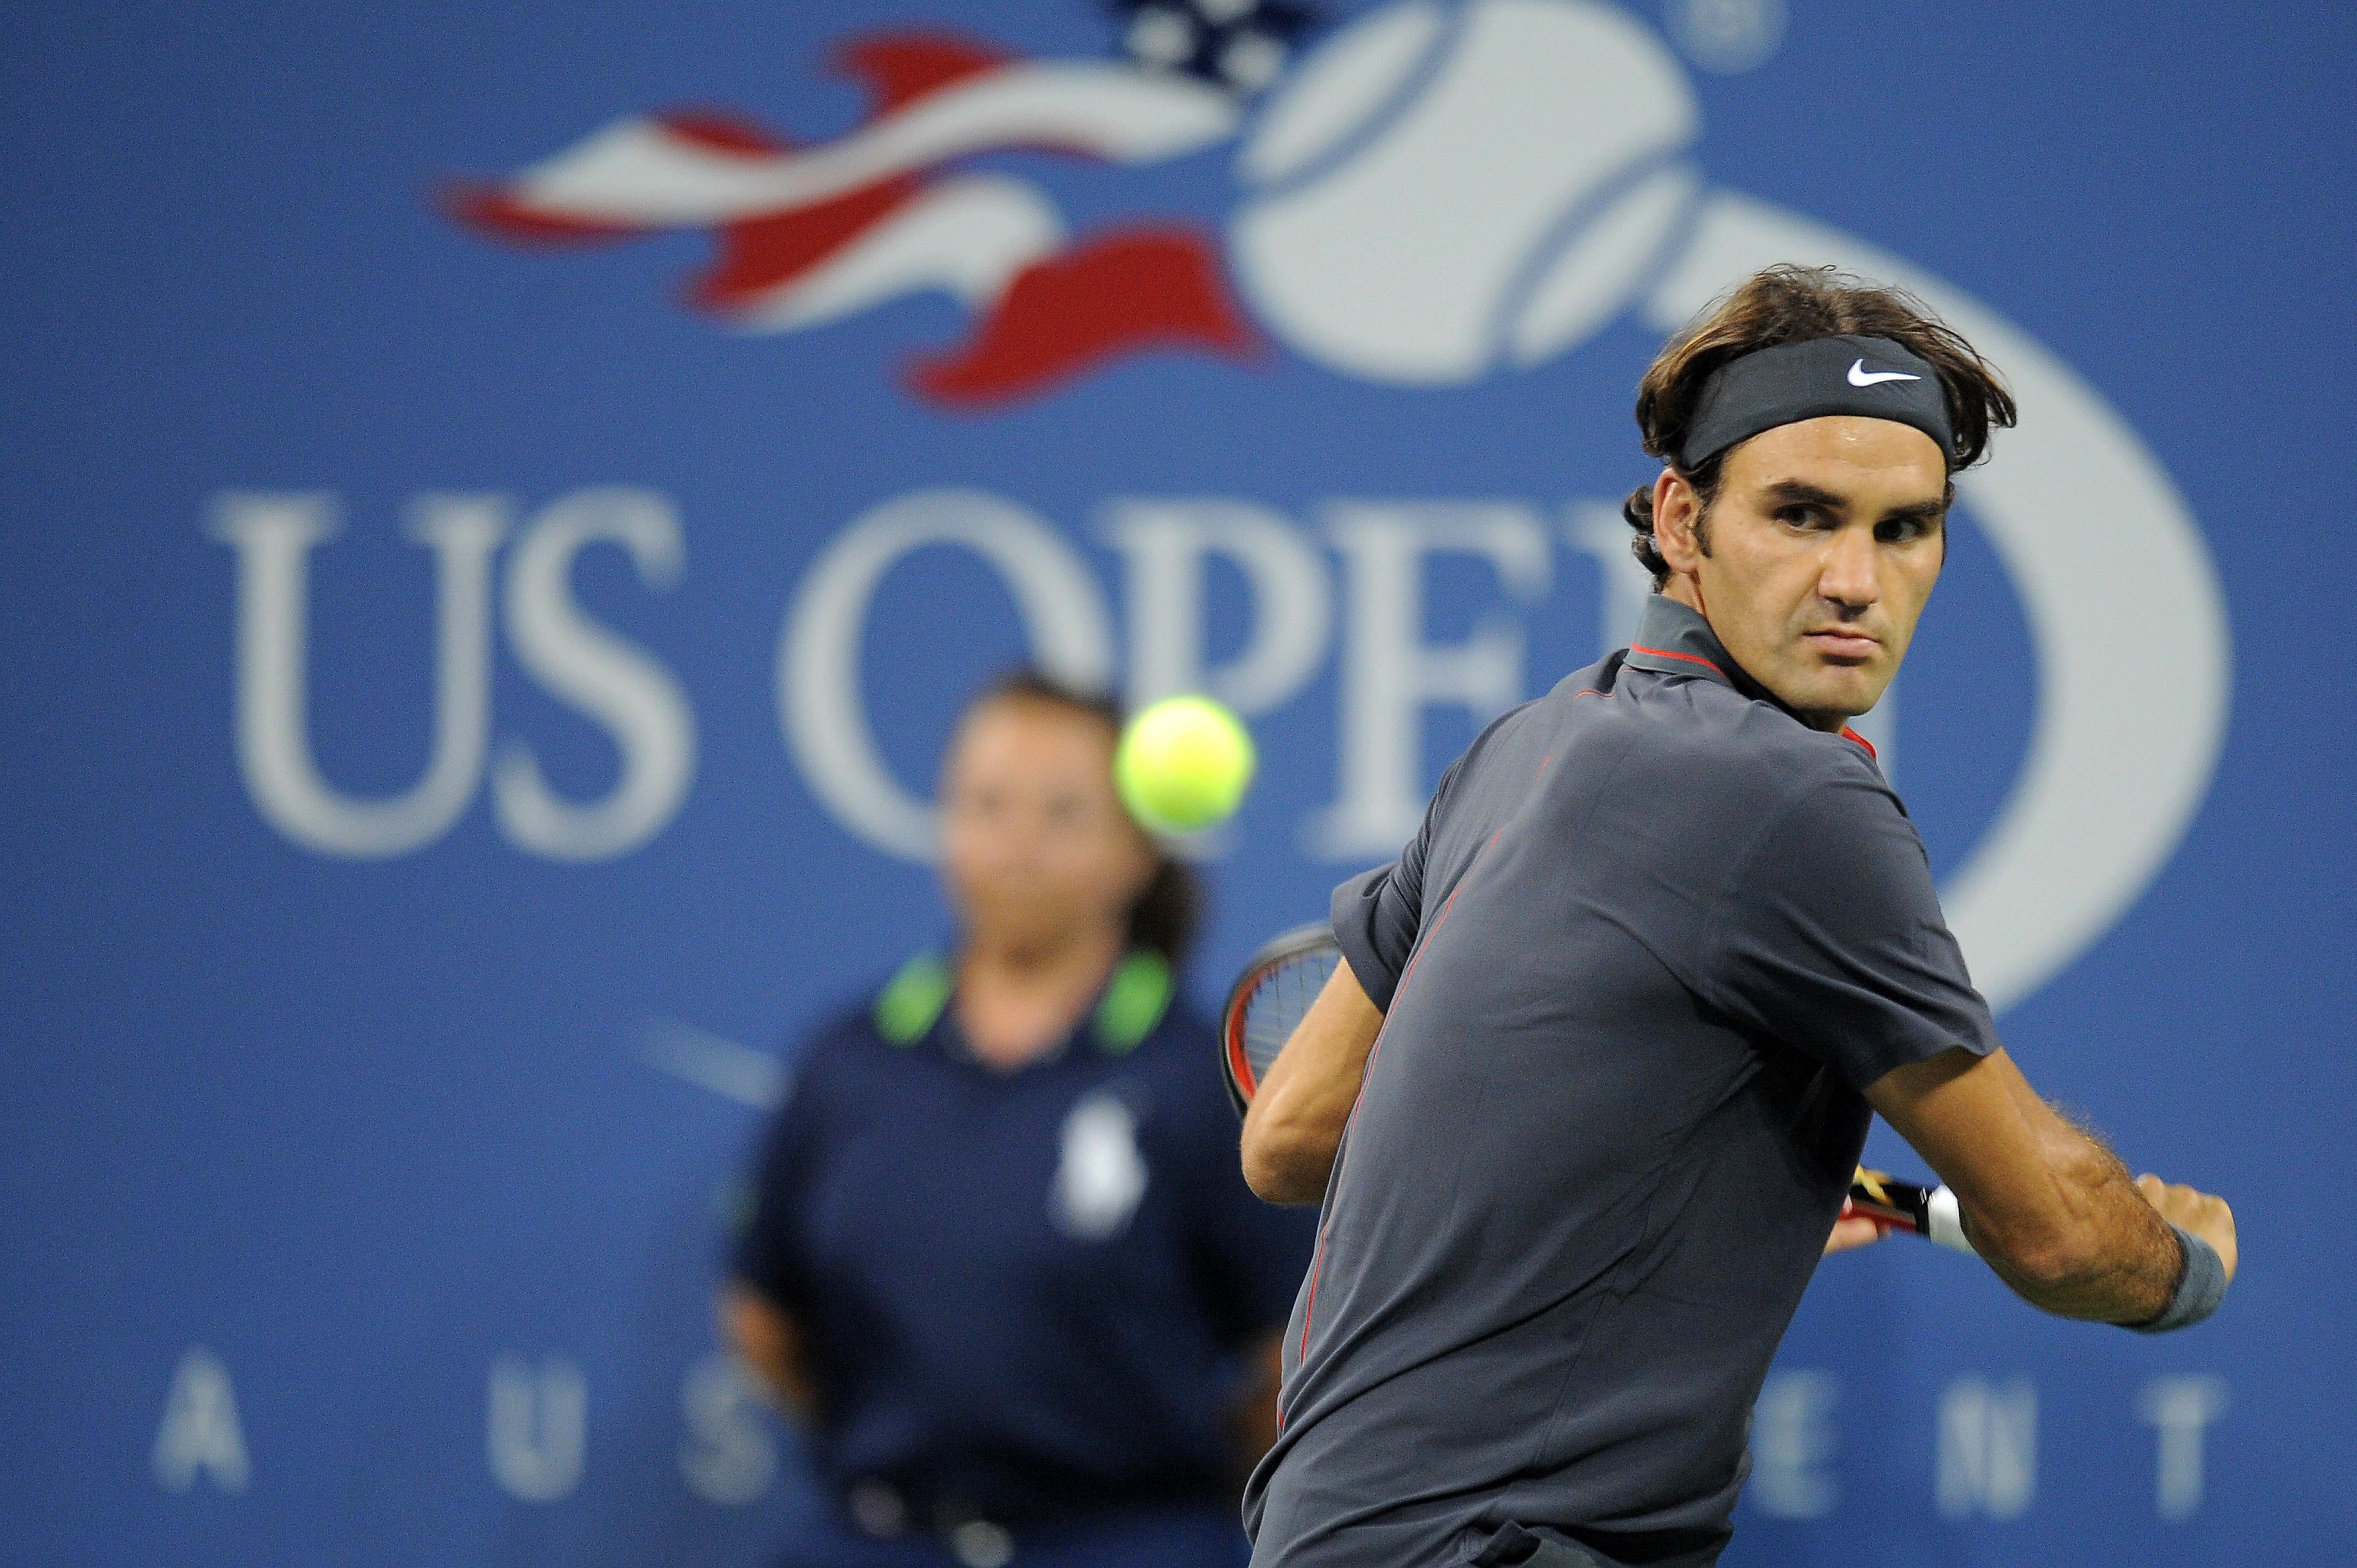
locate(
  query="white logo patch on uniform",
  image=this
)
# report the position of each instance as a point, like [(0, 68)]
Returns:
[(1101, 1176)]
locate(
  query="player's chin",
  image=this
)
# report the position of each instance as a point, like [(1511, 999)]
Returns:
[(1844, 687)]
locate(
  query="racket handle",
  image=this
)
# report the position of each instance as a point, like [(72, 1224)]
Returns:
[(1931, 1213), (1943, 1221)]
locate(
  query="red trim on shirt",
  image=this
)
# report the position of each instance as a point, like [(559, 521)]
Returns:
[(1317, 1259), (1689, 658), (1317, 1262), (1848, 733)]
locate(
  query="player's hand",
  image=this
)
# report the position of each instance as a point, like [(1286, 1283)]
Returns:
[(1853, 1230), (2196, 1212)]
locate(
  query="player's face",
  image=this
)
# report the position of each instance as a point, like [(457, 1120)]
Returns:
[(1821, 547), (1036, 851)]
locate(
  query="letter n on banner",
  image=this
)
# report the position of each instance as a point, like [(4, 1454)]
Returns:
[(1988, 1448)]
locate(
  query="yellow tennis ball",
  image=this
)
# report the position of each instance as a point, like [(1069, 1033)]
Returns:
[(1183, 763)]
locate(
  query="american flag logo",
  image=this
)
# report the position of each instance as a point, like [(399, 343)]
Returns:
[(810, 234)]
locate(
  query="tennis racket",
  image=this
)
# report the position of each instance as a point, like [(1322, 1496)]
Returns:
[(1273, 994), (1268, 1000)]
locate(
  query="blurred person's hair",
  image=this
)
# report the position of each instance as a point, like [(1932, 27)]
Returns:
[(1167, 915)]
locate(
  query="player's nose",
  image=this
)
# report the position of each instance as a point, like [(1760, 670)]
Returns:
[(1850, 573)]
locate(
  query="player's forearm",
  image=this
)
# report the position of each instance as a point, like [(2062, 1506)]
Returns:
[(1292, 1135), (2095, 1250), (1294, 1126), (2046, 1203)]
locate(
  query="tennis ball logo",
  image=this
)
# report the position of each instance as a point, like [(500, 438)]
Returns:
[(1183, 764), (1445, 187)]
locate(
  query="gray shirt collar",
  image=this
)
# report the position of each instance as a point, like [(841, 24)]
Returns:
[(1673, 638)]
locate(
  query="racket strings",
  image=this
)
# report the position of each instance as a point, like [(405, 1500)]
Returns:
[(1279, 1002)]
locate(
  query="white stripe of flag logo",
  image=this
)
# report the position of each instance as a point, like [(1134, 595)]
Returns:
[(810, 235)]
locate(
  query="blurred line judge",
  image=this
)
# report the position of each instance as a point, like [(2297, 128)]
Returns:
[(1001, 1264)]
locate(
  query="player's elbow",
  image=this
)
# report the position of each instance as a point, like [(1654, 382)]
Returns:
[(2058, 1240), (2050, 1265), (1285, 1163)]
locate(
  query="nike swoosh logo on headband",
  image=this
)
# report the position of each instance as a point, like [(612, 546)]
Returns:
[(1860, 376)]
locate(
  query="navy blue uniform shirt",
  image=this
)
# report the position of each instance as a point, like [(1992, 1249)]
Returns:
[(1653, 937), (1022, 1293)]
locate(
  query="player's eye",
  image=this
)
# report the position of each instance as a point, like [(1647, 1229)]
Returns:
[(1801, 514), (1902, 529)]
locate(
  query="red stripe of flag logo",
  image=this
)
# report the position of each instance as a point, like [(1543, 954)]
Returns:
[(811, 234)]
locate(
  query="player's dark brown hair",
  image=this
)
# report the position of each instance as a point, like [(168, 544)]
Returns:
[(1168, 913), (1794, 304)]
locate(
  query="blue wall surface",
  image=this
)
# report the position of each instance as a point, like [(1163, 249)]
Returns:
[(472, 672)]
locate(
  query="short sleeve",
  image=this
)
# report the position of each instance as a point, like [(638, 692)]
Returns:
[(1378, 914), (1829, 937), (768, 1254)]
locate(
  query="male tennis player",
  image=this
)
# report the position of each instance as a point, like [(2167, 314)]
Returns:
[(1608, 1033)]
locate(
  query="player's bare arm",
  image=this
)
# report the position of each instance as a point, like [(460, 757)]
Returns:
[(1295, 1121), (2050, 1207), (769, 1342)]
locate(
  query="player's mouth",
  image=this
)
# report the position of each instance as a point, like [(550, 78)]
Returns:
[(1843, 646)]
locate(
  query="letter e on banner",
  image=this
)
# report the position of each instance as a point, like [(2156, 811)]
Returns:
[(1791, 1444), (1390, 674)]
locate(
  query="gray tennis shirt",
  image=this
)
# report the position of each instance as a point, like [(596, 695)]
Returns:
[(1653, 939)]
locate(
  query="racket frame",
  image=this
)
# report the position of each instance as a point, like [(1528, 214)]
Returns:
[(1235, 1063)]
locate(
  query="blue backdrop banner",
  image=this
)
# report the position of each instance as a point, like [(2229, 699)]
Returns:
[(501, 503)]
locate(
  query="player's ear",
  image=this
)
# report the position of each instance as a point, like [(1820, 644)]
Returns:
[(1676, 508)]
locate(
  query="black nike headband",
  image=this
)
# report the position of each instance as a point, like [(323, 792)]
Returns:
[(1873, 377)]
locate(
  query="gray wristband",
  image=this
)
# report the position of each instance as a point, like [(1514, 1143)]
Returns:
[(2200, 1286)]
